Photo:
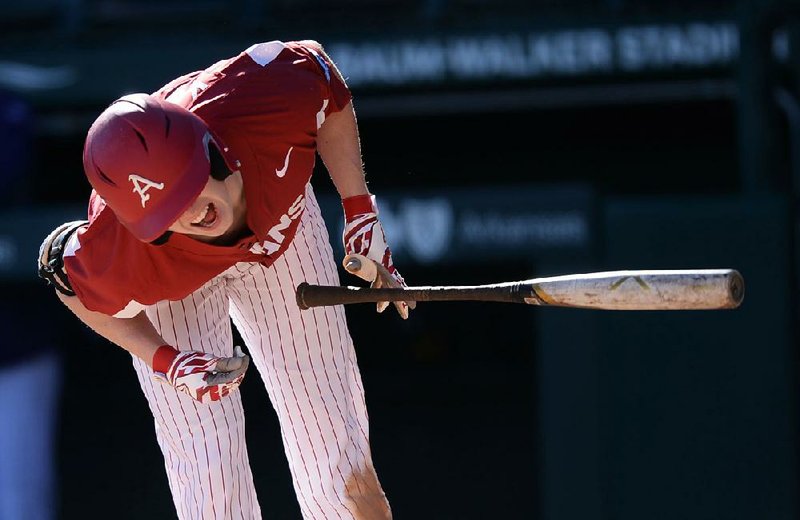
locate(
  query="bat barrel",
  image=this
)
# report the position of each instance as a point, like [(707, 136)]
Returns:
[(694, 289)]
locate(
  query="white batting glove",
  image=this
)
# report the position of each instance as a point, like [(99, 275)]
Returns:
[(203, 376), (364, 236)]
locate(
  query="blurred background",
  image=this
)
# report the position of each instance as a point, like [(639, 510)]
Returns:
[(505, 139)]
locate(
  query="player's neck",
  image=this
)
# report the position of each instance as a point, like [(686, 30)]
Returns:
[(239, 228)]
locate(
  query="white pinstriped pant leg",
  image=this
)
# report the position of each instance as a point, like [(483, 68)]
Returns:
[(307, 362), (204, 449)]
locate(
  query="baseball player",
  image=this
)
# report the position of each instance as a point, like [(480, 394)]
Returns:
[(202, 212)]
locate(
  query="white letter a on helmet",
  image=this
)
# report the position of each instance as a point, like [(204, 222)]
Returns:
[(141, 185)]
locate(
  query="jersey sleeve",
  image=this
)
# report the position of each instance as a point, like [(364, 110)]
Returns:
[(95, 265), (340, 93), (288, 62)]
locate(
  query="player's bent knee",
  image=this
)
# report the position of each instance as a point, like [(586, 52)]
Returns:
[(361, 497)]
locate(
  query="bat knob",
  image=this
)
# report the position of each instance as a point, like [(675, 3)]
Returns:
[(300, 296), (361, 266), (353, 264)]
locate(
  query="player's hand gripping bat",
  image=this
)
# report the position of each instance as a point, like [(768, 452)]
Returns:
[(690, 289)]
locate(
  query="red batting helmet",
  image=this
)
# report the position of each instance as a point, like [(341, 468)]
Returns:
[(148, 159)]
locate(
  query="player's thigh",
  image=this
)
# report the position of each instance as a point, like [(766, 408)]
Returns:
[(200, 321), (307, 362), (264, 306), (203, 444)]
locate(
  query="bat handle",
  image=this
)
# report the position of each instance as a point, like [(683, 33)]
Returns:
[(308, 295)]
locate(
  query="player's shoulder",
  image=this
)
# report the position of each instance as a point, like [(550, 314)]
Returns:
[(104, 230), (265, 53)]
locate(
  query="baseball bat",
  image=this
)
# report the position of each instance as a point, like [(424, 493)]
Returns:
[(690, 289)]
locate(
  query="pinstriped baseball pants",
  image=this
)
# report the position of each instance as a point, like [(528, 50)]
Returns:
[(308, 366)]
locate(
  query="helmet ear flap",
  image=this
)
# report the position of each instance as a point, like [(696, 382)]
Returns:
[(219, 168)]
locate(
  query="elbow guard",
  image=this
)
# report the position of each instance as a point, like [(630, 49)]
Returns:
[(51, 257)]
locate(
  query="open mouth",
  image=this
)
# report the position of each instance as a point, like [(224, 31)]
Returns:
[(207, 217)]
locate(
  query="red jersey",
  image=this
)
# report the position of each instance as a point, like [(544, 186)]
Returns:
[(265, 105)]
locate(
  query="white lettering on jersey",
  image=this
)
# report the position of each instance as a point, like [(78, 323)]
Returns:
[(264, 53), (141, 185), (276, 235), (321, 113)]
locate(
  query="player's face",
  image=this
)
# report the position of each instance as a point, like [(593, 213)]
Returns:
[(218, 210)]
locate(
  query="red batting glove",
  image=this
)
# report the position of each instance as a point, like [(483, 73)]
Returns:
[(364, 235), (203, 376)]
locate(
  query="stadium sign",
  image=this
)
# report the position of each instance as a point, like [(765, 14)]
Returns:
[(565, 53)]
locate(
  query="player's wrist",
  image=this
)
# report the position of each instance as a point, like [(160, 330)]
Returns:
[(358, 205), (163, 358)]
